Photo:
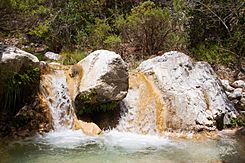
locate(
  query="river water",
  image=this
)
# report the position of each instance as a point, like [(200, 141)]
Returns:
[(111, 147), (64, 145)]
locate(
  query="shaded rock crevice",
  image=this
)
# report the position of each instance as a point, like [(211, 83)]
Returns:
[(22, 113)]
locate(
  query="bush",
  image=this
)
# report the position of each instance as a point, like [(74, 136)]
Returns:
[(41, 31), (213, 54), (147, 28), (71, 58), (100, 31), (112, 41), (217, 31), (15, 94)]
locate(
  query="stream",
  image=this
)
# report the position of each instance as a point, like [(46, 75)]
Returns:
[(66, 145), (112, 146)]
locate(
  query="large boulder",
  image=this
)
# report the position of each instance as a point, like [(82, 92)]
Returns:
[(8, 54), (104, 77), (96, 84), (106, 73), (19, 104), (187, 95), (14, 61)]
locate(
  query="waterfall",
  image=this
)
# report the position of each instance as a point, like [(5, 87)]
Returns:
[(143, 106), (54, 89)]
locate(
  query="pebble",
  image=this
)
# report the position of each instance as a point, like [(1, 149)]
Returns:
[(227, 86), (239, 84)]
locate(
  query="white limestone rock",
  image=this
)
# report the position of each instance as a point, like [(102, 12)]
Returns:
[(14, 60), (239, 84), (105, 74), (52, 56), (237, 93), (227, 86), (193, 89), (10, 54)]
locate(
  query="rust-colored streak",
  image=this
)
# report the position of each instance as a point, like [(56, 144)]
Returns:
[(150, 97), (73, 81)]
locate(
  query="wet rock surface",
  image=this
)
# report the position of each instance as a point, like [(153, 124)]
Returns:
[(27, 122), (87, 128), (193, 97)]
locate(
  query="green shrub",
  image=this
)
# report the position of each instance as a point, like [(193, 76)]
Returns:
[(16, 89), (147, 27), (217, 31), (236, 122), (102, 107), (213, 54), (65, 25), (41, 31), (99, 33), (71, 58), (112, 41)]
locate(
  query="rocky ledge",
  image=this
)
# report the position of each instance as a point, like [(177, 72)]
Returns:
[(236, 93)]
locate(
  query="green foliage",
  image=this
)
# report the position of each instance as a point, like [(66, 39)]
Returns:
[(100, 31), (5, 3), (17, 87), (41, 10), (87, 103), (102, 107), (88, 97), (107, 106), (64, 26), (180, 18), (218, 25), (112, 41), (41, 30), (40, 56), (147, 27), (71, 58), (236, 122), (213, 54), (212, 30)]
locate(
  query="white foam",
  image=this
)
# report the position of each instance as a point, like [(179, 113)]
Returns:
[(58, 100), (133, 141), (110, 139)]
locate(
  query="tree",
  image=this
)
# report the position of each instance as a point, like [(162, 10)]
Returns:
[(147, 28), (217, 31)]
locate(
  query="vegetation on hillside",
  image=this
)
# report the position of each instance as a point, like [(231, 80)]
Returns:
[(210, 30), (15, 90)]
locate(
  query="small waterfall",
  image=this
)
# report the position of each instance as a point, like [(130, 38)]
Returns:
[(145, 114), (144, 107), (55, 92)]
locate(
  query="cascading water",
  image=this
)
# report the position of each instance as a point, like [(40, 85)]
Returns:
[(145, 114), (135, 139), (55, 91)]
